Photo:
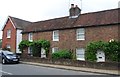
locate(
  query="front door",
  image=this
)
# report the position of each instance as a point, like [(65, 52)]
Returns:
[(100, 56), (43, 54)]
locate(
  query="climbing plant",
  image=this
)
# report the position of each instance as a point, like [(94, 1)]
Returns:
[(91, 50), (45, 44), (37, 45), (111, 49), (23, 44), (36, 48)]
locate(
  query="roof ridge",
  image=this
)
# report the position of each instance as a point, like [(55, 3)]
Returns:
[(83, 20), (51, 19), (78, 16), (100, 11)]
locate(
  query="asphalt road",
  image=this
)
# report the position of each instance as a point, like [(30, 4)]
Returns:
[(24, 69)]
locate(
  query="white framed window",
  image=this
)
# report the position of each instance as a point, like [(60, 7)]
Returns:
[(55, 49), (56, 35), (8, 46), (8, 33), (30, 51), (80, 54), (30, 37), (80, 33)]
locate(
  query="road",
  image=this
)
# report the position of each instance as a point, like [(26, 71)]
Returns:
[(24, 69)]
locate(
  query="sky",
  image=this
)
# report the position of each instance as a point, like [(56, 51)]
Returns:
[(37, 10)]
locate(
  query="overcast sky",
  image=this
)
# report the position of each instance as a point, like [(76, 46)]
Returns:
[(37, 10)]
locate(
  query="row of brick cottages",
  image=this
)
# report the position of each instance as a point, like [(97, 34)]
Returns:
[(72, 32)]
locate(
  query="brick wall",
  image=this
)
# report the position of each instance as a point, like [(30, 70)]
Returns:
[(68, 62), (104, 33), (67, 38), (11, 41), (119, 32)]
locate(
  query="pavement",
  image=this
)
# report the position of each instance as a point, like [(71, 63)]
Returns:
[(84, 69)]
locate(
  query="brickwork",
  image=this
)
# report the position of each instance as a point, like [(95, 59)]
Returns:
[(11, 41), (104, 33), (76, 63), (67, 37)]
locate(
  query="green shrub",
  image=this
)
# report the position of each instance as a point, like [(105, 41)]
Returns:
[(8, 49), (112, 51), (62, 54)]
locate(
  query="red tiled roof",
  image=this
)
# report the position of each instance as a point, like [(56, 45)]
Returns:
[(87, 19)]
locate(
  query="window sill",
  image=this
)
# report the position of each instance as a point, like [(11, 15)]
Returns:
[(31, 40), (80, 39), (8, 37), (56, 40), (82, 59)]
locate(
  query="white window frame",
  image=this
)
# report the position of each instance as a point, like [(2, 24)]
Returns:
[(30, 37), (29, 51), (8, 46), (82, 54), (55, 49), (80, 34), (9, 33), (56, 35)]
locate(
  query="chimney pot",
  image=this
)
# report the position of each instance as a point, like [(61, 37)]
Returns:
[(72, 5), (76, 5)]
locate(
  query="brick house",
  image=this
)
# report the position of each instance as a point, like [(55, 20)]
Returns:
[(75, 31), (12, 33)]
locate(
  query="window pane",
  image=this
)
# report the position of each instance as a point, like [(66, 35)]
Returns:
[(81, 37), (30, 36), (55, 35), (8, 46), (80, 34), (80, 54), (8, 33), (54, 49)]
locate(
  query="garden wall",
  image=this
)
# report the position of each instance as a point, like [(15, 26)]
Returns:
[(76, 63)]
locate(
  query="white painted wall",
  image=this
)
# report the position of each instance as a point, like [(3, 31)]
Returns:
[(18, 40)]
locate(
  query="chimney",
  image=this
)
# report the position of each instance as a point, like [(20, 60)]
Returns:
[(77, 11), (71, 11), (74, 11)]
